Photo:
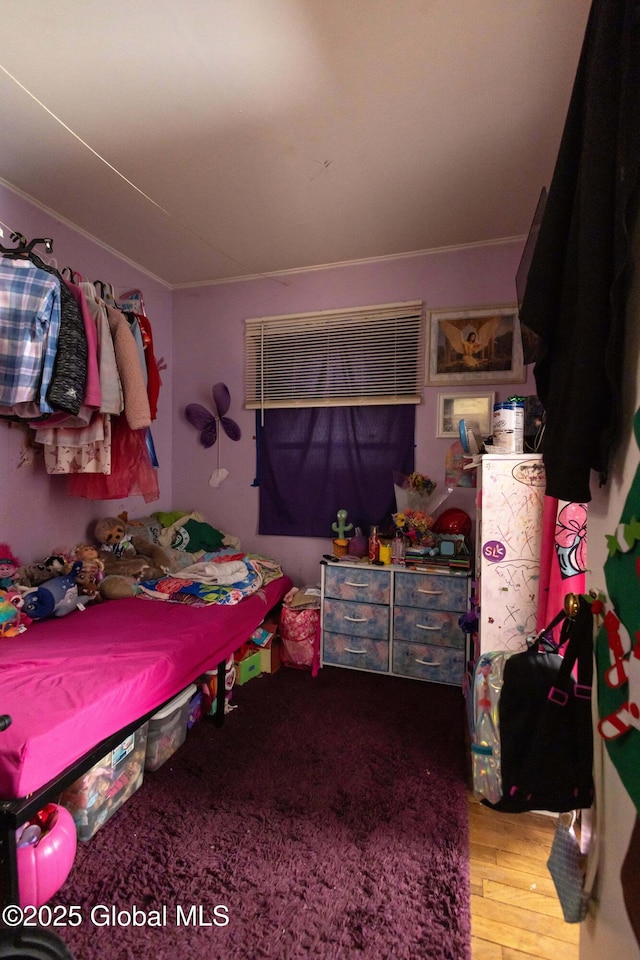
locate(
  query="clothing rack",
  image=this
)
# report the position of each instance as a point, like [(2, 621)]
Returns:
[(23, 247)]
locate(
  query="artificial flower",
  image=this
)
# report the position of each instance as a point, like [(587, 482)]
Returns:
[(422, 484), (414, 524)]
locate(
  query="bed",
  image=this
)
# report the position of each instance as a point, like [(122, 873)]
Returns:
[(75, 686)]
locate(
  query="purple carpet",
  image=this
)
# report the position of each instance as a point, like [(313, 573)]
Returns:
[(327, 820)]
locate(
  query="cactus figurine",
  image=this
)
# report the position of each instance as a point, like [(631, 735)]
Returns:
[(341, 526)]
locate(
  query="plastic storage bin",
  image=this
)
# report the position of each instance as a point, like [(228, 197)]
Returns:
[(96, 796), (168, 729)]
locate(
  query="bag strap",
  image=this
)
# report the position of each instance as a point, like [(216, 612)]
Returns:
[(578, 631), (577, 634)]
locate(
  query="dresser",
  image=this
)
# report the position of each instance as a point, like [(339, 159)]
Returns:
[(395, 620)]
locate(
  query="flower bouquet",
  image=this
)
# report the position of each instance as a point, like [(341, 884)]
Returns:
[(417, 493), (415, 526)]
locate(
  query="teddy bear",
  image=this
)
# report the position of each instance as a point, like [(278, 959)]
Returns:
[(129, 555)]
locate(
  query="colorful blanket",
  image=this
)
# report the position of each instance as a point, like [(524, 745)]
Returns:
[(253, 573)]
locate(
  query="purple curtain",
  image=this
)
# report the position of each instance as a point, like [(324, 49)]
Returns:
[(314, 461)]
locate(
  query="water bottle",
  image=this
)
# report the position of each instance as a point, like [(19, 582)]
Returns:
[(374, 545), (397, 548)]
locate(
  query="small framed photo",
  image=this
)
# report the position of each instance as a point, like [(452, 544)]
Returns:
[(474, 346), (474, 407)]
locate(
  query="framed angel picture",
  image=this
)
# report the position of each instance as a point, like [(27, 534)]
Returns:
[(469, 346)]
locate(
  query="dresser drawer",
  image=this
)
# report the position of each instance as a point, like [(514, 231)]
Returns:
[(364, 653), (356, 619), (430, 590), (417, 625), (357, 583), (428, 662)]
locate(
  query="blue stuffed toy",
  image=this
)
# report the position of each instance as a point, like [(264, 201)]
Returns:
[(55, 597)]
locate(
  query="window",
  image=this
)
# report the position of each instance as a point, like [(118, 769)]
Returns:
[(370, 355), (335, 395), (315, 461)]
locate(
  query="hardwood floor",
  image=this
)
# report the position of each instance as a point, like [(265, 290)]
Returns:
[(515, 913)]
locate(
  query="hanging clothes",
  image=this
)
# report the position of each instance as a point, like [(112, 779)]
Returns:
[(73, 367), (79, 443), (563, 558), (29, 330), (92, 395), (112, 397), (85, 450), (153, 374), (132, 472), (132, 469), (136, 402), (69, 376), (577, 287)]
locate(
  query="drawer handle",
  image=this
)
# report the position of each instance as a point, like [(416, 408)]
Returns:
[(351, 650), (425, 626), (431, 593), (351, 583), (356, 619), (429, 663)]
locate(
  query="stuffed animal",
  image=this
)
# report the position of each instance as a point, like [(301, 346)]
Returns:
[(129, 555), (88, 555), (55, 598), (88, 587), (57, 565), (14, 595), (9, 616), (117, 587), (8, 567), (32, 575)]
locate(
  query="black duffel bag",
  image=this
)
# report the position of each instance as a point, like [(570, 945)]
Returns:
[(546, 735)]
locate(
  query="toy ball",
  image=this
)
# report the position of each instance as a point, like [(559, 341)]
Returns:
[(453, 520)]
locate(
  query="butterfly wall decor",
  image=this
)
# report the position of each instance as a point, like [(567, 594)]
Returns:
[(209, 424)]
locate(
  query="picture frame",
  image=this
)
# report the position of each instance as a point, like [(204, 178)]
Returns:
[(453, 407), (474, 346)]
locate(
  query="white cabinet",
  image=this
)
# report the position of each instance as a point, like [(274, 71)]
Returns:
[(510, 498)]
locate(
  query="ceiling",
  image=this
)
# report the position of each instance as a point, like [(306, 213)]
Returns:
[(215, 139)]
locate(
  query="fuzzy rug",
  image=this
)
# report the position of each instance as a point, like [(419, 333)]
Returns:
[(327, 820)]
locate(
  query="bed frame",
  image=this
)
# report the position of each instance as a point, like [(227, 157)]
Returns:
[(15, 812)]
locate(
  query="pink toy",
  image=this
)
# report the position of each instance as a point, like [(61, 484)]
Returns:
[(44, 866), (8, 567)]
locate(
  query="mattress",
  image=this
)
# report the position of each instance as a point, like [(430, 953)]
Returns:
[(69, 683)]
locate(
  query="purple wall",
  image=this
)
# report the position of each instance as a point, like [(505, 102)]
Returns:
[(200, 333), (208, 347), (36, 515)]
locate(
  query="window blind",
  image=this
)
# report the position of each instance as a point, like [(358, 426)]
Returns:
[(367, 355)]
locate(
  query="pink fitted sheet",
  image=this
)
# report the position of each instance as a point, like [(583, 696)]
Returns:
[(68, 683)]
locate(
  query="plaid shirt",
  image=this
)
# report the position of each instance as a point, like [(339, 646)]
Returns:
[(29, 327)]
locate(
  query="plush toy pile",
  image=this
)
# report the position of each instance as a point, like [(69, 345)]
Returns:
[(124, 554)]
